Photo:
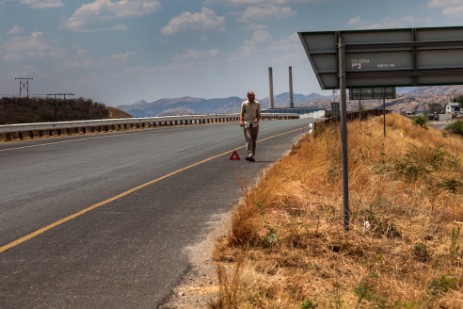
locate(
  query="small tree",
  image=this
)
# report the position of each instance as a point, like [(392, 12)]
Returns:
[(420, 120), (459, 99), (435, 108)]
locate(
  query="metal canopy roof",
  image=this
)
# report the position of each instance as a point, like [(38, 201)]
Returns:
[(387, 57)]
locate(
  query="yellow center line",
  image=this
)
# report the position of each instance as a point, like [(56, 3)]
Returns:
[(121, 195)]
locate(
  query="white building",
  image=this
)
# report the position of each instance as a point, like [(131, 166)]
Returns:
[(453, 107)]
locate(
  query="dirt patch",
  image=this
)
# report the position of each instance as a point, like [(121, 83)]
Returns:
[(200, 286)]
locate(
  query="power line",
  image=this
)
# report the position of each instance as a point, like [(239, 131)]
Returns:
[(64, 101), (60, 94)]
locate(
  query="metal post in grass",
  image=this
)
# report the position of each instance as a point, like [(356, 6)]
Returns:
[(384, 112), (343, 98)]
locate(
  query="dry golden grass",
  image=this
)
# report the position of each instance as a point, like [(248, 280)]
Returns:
[(287, 247)]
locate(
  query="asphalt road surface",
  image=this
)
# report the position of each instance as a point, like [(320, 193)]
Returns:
[(102, 221)]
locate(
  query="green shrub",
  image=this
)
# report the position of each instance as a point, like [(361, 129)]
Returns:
[(365, 291), (420, 252), (439, 287), (456, 127), (308, 304), (452, 184), (420, 120), (423, 161), (270, 239), (411, 166), (455, 252)]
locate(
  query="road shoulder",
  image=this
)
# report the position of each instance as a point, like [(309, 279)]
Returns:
[(199, 286)]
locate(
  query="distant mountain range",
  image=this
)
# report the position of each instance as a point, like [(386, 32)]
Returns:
[(191, 105), (408, 99)]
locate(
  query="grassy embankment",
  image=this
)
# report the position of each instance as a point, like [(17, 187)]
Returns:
[(287, 247), (27, 110)]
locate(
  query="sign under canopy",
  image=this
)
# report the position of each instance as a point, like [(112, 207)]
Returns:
[(372, 93), (387, 57)]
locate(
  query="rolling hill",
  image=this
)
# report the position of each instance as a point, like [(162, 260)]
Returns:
[(190, 105), (28, 110), (408, 99), (182, 105)]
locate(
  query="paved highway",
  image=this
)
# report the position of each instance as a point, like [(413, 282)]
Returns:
[(102, 221)]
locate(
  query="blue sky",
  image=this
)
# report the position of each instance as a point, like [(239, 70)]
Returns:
[(119, 52)]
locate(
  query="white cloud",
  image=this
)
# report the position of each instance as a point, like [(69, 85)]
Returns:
[(84, 61), (193, 59), (254, 2), (43, 4), (95, 16), (36, 47), (288, 50), (121, 56), (456, 10), (354, 21), (293, 42), (249, 2), (260, 35), (232, 2), (135, 71), (28, 70), (262, 13), (194, 55), (77, 63), (22, 47), (16, 30), (387, 22), (207, 20), (443, 3), (449, 7)]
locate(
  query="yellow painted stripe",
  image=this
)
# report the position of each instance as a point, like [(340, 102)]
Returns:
[(114, 198)]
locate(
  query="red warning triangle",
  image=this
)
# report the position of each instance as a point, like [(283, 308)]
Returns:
[(235, 156)]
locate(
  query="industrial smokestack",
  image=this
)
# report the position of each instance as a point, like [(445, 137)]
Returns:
[(291, 98), (270, 84)]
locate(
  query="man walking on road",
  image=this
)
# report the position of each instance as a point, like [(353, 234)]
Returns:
[(249, 119)]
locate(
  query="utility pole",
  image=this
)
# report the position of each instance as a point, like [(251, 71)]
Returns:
[(343, 98), (64, 99), (23, 85)]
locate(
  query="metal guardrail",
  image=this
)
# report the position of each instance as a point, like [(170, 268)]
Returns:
[(44, 129)]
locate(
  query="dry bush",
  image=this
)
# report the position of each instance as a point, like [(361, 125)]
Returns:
[(27, 110), (287, 247)]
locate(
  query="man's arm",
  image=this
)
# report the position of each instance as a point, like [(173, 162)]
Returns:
[(257, 113), (241, 115)]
